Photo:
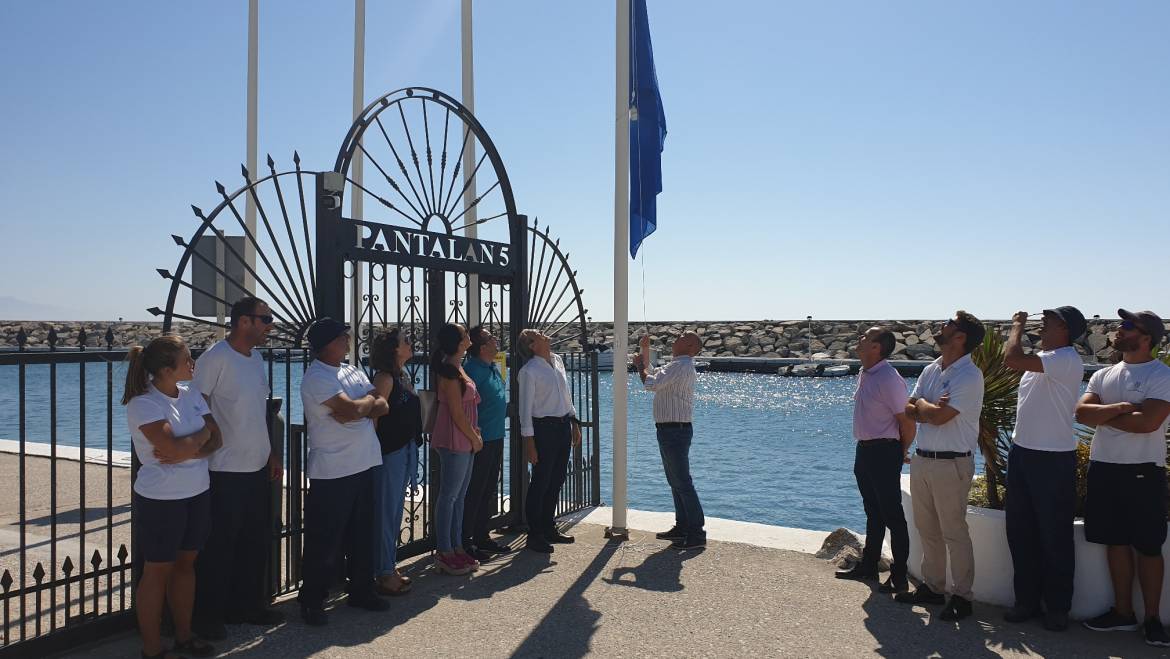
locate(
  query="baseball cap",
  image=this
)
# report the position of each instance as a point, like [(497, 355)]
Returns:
[(324, 330), (1073, 319), (1148, 321)]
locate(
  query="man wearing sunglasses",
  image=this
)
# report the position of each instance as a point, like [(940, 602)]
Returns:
[(1042, 490), (946, 403), (231, 569), (1125, 507)]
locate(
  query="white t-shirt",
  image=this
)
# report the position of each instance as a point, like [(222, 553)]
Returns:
[(238, 389), (1130, 383), (185, 414), (337, 450), (964, 382), (1048, 401)]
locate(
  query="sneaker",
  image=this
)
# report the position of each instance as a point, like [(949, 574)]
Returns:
[(956, 609), (1054, 621), (1112, 621), (1156, 633), (690, 543), (1021, 613), (314, 616), (921, 596), (675, 533), (858, 572), (468, 560), (895, 585), (367, 601)]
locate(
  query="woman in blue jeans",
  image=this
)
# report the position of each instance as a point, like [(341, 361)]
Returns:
[(456, 438), (399, 434)]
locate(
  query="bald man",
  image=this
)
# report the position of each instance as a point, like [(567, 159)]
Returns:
[(674, 403)]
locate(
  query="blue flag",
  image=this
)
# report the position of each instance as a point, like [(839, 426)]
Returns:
[(647, 131)]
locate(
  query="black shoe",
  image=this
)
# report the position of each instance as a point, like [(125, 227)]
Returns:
[(858, 572), (956, 609), (259, 617), (695, 542), (212, 631), (1021, 613), (921, 596), (1055, 621), (558, 538), (478, 554), (538, 546), (492, 547), (895, 585), (1156, 633), (367, 601), (675, 533), (314, 616), (1112, 621)]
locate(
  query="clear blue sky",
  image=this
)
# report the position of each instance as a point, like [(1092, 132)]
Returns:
[(847, 159)]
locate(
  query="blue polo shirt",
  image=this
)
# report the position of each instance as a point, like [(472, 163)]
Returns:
[(493, 408)]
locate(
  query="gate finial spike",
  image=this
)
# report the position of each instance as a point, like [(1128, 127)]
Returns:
[(244, 171), (271, 162), (178, 240), (297, 158), (198, 211), (165, 274), (220, 189), (155, 311)]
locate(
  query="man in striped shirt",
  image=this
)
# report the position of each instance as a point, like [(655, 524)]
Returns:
[(674, 402)]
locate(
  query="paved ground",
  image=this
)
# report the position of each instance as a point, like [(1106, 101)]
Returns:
[(642, 599)]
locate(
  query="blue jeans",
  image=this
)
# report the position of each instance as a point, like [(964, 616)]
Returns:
[(454, 476), (390, 482), (675, 446)]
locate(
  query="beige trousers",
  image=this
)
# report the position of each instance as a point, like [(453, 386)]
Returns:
[(939, 490)]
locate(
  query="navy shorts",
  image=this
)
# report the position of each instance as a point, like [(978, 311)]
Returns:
[(167, 526), (1126, 505)]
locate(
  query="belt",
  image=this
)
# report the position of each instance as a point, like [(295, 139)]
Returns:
[(882, 441), (942, 455), (673, 424), (553, 419)]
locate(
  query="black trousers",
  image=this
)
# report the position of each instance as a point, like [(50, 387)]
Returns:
[(481, 502), (231, 571), (878, 469), (339, 523), (1041, 503), (553, 443)]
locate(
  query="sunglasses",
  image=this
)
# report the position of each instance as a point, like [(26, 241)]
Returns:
[(1129, 326), (267, 319)]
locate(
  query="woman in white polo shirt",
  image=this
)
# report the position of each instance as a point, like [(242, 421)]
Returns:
[(173, 433)]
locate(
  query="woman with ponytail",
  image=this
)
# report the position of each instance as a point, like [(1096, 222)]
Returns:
[(456, 438), (173, 433)]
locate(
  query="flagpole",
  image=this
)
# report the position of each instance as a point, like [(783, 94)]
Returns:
[(469, 208), (621, 267), (355, 171)]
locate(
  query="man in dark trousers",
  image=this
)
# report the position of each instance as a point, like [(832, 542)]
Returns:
[(233, 566), (884, 434), (1042, 467)]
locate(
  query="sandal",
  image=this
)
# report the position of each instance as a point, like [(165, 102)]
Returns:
[(383, 586), (194, 647)]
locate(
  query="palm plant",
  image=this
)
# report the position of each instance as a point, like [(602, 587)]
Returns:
[(998, 418)]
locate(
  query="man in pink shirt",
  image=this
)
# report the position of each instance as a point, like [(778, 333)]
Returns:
[(884, 434)]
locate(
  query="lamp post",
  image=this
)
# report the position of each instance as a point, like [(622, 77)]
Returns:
[(809, 319)]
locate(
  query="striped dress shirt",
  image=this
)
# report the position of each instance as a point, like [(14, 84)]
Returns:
[(674, 390)]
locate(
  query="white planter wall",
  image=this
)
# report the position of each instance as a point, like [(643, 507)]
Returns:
[(1092, 590)]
